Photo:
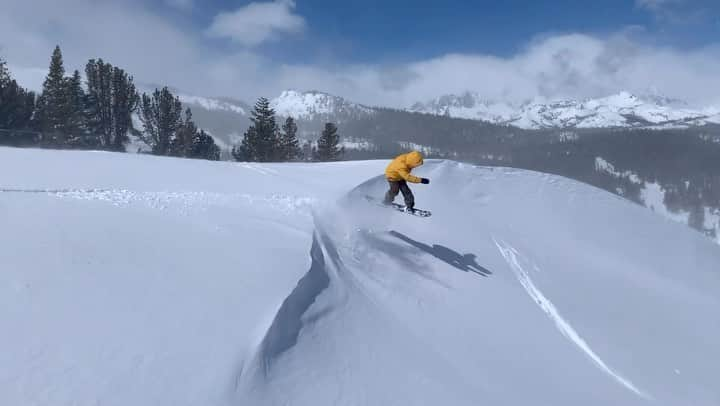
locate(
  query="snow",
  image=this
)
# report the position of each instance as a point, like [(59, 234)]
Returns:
[(131, 279), (618, 110), (601, 165), (468, 105), (712, 222), (356, 144), (652, 194), (713, 114), (511, 257), (653, 197), (412, 146)]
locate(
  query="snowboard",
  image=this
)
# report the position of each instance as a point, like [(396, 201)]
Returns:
[(401, 208)]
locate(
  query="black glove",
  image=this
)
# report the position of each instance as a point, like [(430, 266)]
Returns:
[(424, 181)]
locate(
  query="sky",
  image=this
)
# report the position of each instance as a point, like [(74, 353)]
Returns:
[(390, 53)]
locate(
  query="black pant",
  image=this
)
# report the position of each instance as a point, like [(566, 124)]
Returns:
[(397, 187)]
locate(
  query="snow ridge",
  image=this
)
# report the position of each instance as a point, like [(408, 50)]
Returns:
[(285, 328), (511, 257), (290, 318)]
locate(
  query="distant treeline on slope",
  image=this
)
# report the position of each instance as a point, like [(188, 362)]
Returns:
[(101, 113), (97, 113)]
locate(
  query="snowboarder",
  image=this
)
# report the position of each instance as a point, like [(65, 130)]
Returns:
[(398, 175)]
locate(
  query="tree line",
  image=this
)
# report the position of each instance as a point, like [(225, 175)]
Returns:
[(265, 141), (98, 114)]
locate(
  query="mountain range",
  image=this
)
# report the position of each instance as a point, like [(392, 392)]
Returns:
[(620, 110), (227, 118)]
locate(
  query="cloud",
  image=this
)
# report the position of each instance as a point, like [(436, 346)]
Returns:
[(574, 66), (157, 50), (123, 33), (256, 23)]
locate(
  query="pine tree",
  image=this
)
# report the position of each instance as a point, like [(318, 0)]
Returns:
[(99, 97), (112, 99), (125, 102), (239, 152), (204, 147), (260, 142), (16, 105), (249, 146), (52, 105), (4, 74), (182, 143), (161, 115), (327, 145), (289, 146), (76, 121)]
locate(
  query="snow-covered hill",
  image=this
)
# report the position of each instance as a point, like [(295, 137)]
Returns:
[(619, 110), (136, 280)]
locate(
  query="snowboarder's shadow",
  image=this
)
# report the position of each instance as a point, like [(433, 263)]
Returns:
[(466, 263)]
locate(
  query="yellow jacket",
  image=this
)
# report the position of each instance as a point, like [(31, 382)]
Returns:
[(400, 167)]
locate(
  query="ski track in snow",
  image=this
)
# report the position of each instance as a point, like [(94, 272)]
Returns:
[(185, 202), (510, 255), (263, 170)]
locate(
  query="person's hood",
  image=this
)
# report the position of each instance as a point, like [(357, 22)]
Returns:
[(414, 159)]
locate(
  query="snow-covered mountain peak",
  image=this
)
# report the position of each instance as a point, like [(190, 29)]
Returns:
[(469, 105), (620, 100), (311, 104), (298, 104)]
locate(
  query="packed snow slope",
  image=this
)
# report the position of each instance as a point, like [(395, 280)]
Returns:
[(134, 280)]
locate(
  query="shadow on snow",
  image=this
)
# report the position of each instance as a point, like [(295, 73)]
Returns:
[(466, 262)]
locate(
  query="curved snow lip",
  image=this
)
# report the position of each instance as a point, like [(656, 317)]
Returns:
[(285, 329), (510, 255), (293, 316)]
